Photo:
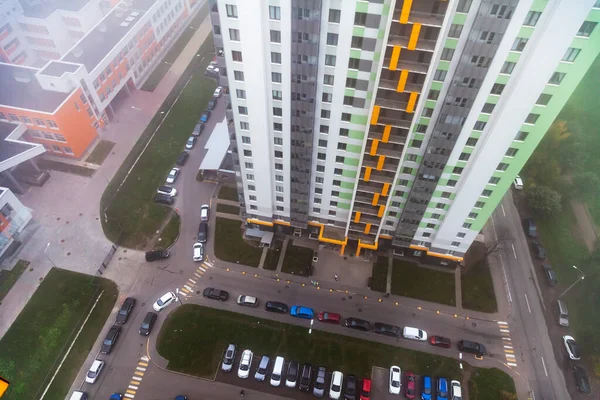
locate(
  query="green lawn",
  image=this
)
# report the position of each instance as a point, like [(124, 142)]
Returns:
[(272, 259), (36, 342), (491, 384), (228, 193), (193, 339), (379, 274), (170, 232), (9, 278), (132, 208), (478, 289), (228, 209), (411, 280), (297, 260), (100, 152), (165, 64), (230, 246)]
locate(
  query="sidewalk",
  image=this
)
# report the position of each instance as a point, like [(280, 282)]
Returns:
[(67, 207)]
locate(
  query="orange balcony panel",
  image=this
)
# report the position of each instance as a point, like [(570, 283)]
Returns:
[(375, 199), (374, 146), (405, 11), (402, 80), (394, 59), (386, 189), (380, 163), (412, 100), (367, 229), (357, 217), (386, 133), (414, 37), (375, 115), (367, 174), (380, 212)]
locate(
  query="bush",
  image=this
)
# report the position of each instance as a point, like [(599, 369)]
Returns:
[(544, 201)]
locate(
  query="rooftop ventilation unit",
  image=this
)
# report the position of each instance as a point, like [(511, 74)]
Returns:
[(22, 77)]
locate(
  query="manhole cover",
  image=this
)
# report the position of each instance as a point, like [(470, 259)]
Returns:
[(58, 218), (125, 251), (350, 297), (474, 324), (120, 258), (69, 253), (67, 222), (62, 240)]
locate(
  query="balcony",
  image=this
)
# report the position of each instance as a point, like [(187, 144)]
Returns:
[(402, 41), (397, 122), (379, 176), (393, 85), (366, 209), (392, 138), (422, 17), (388, 164), (390, 150), (391, 104), (370, 187)]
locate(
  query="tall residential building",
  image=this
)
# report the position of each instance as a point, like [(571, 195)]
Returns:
[(402, 123)]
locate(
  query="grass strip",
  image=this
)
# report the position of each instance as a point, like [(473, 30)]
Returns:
[(231, 247), (9, 278), (379, 274), (423, 283)]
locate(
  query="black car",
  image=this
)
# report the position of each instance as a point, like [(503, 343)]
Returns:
[(350, 393), (276, 306), (356, 323), (111, 339), (581, 379), (182, 158), (203, 232), (148, 323), (529, 227), (211, 104), (550, 275), (386, 329), (291, 377), (539, 251), (471, 347), (157, 255), (215, 294), (305, 377), (125, 310), (163, 199)]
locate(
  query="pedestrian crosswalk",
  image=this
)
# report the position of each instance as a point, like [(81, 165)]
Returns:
[(188, 287), (509, 351), (138, 375)]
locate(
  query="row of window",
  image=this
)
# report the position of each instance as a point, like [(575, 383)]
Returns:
[(39, 134), (58, 149), (27, 120)]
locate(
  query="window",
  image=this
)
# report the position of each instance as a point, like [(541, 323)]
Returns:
[(479, 204), (464, 156), (407, 170), (486, 193), (416, 143), (508, 67), (357, 42), (277, 95), (333, 203), (467, 225), (430, 226), (457, 170), (447, 54), (238, 76), (519, 44), (596, 4), (322, 143), (487, 37), (278, 141), (332, 213), (278, 154), (360, 19), (479, 125), (279, 167), (451, 183), (327, 97), (455, 244), (556, 78), (341, 146), (571, 54), (436, 216), (243, 110), (241, 94), (250, 177), (275, 36), (411, 157), (51, 124), (511, 152), (348, 101), (494, 180), (279, 198), (532, 118), (497, 88), (231, 10), (244, 125), (276, 77), (532, 18), (488, 108), (316, 210), (332, 39), (472, 142), (353, 63), (274, 12), (521, 136), (433, 94), (395, 204), (336, 182), (325, 114), (346, 117), (275, 57), (455, 30), (324, 129), (587, 28), (502, 167), (441, 206), (320, 168), (328, 79), (251, 188), (249, 165), (330, 60), (279, 178), (463, 6), (334, 15), (446, 195), (501, 11), (234, 35), (278, 127), (248, 153), (277, 111), (439, 75), (344, 132), (321, 156)]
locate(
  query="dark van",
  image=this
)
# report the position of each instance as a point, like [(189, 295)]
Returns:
[(156, 255), (471, 347), (202, 232), (164, 199)]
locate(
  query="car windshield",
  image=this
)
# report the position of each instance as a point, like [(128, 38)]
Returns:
[(395, 384), (365, 393), (443, 394), (107, 342), (262, 370), (228, 361), (243, 367), (318, 385), (160, 302), (123, 312), (91, 374), (276, 377), (410, 391), (336, 388), (145, 325), (427, 390)]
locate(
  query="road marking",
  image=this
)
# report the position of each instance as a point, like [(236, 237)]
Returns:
[(185, 291), (144, 358), (511, 364), (137, 378), (502, 323), (509, 351), (514, 251), (201, 269), (140, 369), (130, 391), (191, 280), (507, 338), (197, 275), (138, 373), (504, 330), (143, 364), (544, 365), (527, 301), (503, 212), (508, 347), (132, 387), (187, 287), (129, 396)]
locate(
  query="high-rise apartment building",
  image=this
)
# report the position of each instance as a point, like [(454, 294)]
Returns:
[(393, 121)]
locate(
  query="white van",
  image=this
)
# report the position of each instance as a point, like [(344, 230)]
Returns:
[(277, 371), (518, 183), (77, 395)]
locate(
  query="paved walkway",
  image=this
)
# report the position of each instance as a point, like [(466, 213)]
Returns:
[(282, 254), (585, 223), (458, 287), (67, 207)]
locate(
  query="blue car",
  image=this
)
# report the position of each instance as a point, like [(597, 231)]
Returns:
[(180, 397), (302, 312), (116, 396), (205, 116), (426, 389), (442, 389)]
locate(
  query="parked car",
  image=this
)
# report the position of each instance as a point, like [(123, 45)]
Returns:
[(211, 104), (471, 347), (332, 318), (148, 323), (198, 252), (291, 378), (173, 174), (247, 301), (125, 310), (205, 116), (550, 275), (410, 386), (167, 190), (356, 323), (94, 371), (245, 364), (218, 91), (276, 306), (228, 358), (319, 386), (261, 371), (190, 142), (440, 341), (164, 301), (530, 228), (456, 390), (116, 396), (414, 333), (365, 393), (180, 397), (202, 232), (442, 389), (277, 372), (395, 385), (157, 255), (335, 388), (302, 312), (426, 388), (181, 160), (386, 329), (204, 210), (305, 377), (518, 183), (572, 347), (163, 199), (198, 129), (538, 250), (581, 379), (111, 339), (215, 294), (350, 392)]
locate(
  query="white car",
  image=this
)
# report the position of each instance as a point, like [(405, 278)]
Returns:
[(168, 190), (247, 301), (395, 384), (455, 390), (335, 389), (218, 91), (198, 252), (414, 333), (204, 209), (94, 371), (518, 183), (245, 364), (572, 347), (190, 143), (164, 301), (173, 173)]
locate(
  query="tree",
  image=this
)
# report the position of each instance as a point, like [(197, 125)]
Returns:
[(586, 185), (544, 201)]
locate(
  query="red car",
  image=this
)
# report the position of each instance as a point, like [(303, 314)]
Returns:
[(365, 393), (332, 318), (440, 341), (409, 386)]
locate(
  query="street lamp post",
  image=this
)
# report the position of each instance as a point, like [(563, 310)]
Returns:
[(580, 278), (48, 256)]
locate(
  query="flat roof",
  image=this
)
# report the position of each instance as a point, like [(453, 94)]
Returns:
[(44, 8), (20, 88), (94, 46), (10, 149), (217, 146), (58, 68)]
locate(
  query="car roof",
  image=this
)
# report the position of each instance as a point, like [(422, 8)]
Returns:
[(366, 384), (96, 364), (166, 296)]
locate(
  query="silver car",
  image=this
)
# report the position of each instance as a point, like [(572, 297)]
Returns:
[(319, 386), (228, 358), (261, 372)]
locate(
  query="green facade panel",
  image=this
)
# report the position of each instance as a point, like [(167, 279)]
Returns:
[(342, 205), (353, 134), (459, 19), (451, 43), (354, 53), (345, 195), (444, 65), (349, 173), (359, 119), (352, 148), (362, 6), (358, 31), (352, 73), (513, 57), (347, 185), (351, 161)]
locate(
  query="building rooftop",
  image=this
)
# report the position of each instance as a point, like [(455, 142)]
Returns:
[(58, 68), (42, 9), (94, 46), (9, 149), (19, 88)]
